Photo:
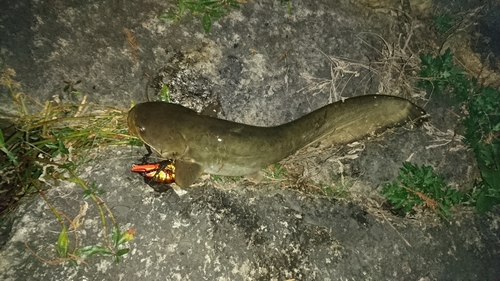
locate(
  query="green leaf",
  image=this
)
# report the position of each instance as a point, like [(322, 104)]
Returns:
[(234, 4), (398, 205), (169, 16), (484, 203), (182, 8), (87, 193), (426, 59), (62, 147), (207, 22), (116, 235), (51, 146), (10, 155), (62, 243), (164, 93), (195, 7), (444, 22), (445, 211), (208, 3), (91, 250), (68, 165), (408, 207), (492, 177), (122, 252)]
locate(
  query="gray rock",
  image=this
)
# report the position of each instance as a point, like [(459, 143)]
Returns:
[(260, 66)]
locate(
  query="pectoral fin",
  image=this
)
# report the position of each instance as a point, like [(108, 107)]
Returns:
[(186, 172), (255, 177)]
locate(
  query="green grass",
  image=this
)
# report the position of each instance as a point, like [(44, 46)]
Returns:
[(209, 10), (443, 22), (164, 94), (482, 135), (334, 190), (481, 122), (440, 76), (46, 146), (421, 186)]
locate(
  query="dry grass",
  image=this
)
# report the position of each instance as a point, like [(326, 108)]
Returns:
[(49, 138)]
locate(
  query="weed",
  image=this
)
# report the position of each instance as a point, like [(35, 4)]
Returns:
[(482, 134), (70, 87), (164, 93), (288, 6), (48, 146), (442, 76), (92, 190), (334, 190), (421, 185), (210, 9), (10, 155), (276, 171), (443, 22), (482, 124), (75, 254)]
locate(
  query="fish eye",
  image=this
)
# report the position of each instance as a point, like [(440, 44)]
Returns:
[(141, 129)]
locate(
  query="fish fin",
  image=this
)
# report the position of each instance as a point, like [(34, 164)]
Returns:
[(255, 178), (186, 172)]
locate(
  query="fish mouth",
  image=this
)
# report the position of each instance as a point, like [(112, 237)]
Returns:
[(133, 130)]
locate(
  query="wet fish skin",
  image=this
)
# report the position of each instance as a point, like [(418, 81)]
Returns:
[(202, 144)]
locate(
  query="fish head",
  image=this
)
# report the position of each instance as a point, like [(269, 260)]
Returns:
[(159, 125)]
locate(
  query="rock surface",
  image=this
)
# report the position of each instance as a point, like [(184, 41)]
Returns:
[(259, 65)]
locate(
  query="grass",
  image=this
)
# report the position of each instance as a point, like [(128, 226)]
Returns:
[(443, 22), (335, 190), (440, 76), (209, 10), (421, 185), (46, 146), (481, 122)]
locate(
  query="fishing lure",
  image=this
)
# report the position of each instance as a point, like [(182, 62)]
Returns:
[(162, 172)]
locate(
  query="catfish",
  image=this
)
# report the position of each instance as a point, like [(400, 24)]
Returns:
[(201, 144)]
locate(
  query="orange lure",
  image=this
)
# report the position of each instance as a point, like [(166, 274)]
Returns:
[(162, 172)]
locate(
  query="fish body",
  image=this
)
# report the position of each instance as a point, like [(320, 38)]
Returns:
[(202, 144)]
